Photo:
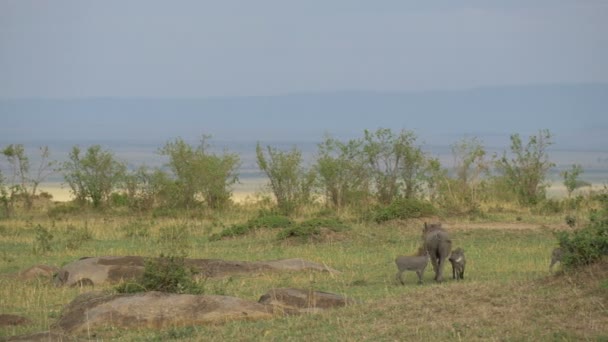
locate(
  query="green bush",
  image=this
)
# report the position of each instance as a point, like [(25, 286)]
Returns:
[(165, 274), (403, 209), (270, 221), (119, 199), (589, 244), (311, 228), (264, 220)]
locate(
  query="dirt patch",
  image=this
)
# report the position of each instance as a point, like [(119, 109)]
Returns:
[(13, 320)]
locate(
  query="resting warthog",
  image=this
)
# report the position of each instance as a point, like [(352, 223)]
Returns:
[(556, 256), (438, 244), (458, 262), (412, 263)]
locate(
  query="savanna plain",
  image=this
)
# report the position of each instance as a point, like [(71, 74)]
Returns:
[(508, 292)]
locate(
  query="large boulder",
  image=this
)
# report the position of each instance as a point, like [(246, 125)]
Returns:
[(155, 310), (113, 269), (294, 301), (100, 270)]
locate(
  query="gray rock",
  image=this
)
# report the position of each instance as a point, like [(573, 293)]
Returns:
[(113, 269), (155, 310)]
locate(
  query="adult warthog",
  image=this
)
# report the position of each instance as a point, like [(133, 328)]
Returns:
[(437, 242)]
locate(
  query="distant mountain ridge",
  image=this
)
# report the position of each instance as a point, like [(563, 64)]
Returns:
[(576, 113)]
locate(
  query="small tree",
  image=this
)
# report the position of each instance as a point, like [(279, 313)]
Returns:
[(93, 176), (220, 173), (525, 172), (290, 183), (395, 162), (571, 180), (342, 170), (435, 176), (589, 244), (199, 172), (5, 200), (469, 166), (143, 188), (23, 182)]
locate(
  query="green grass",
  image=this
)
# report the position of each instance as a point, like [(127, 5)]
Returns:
[(506, 272)]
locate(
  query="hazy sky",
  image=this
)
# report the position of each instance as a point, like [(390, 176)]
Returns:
[(265, 47)]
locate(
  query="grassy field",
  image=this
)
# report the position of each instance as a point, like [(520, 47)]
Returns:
[(508, 292)]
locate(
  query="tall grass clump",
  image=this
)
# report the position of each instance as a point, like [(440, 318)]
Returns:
[(174, 237), (42, 241), (76, 237)]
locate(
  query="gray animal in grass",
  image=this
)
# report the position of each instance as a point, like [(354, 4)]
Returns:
[(439, 246), (556, 256), (412, 263), (458, 262)]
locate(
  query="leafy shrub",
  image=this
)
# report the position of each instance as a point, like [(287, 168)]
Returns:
[(119, 199), (270, 221), (403, 209), (311, 228), (42, 242), (589, 244), (264, 220), (165, 274)]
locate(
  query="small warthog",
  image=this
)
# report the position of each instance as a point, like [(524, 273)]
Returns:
[(412, 263), (458, 262), (556, 256)]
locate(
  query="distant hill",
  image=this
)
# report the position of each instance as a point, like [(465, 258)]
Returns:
[(576, 114)]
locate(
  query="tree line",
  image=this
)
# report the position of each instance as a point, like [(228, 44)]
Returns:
[(379, 168)]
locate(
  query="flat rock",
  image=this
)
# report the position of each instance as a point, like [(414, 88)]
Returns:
[(294, 301), (100, 270), (113, 269), (155, 310)]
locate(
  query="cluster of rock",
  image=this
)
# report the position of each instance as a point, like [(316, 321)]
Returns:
[(97, 309)]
